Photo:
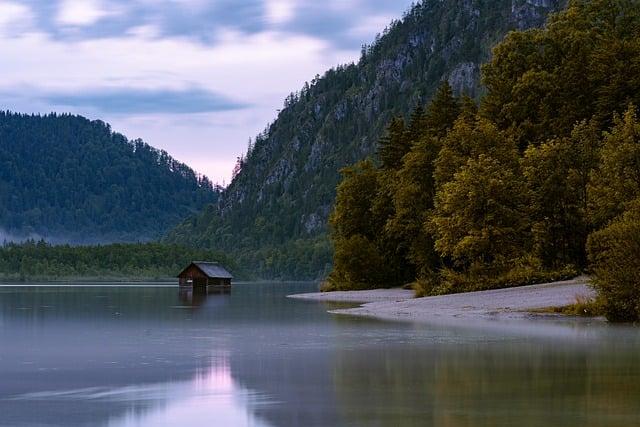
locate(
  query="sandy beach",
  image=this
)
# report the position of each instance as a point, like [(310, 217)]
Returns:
[(503, 304)]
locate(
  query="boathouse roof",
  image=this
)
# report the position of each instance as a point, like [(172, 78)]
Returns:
[(212, 270)]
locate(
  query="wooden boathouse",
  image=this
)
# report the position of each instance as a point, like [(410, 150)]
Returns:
[(205, 276)]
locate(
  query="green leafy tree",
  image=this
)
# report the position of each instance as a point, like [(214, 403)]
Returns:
[(470, 137), (357, 264), (354, 202), (584, 63), (557, 174), (481, 219), (481, 216), (616, 182)]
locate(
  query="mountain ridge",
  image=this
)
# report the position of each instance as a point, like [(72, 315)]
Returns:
[(283, 190)]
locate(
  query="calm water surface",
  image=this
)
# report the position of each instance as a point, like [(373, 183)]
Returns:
[(145, 356)]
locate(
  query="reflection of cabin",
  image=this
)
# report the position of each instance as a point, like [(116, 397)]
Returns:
[(205, 276)]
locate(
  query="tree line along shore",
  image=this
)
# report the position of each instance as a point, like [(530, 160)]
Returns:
[(538, 182), (38, 261)]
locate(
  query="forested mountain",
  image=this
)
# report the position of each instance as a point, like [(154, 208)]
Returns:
[(69, 179), (274, 213)]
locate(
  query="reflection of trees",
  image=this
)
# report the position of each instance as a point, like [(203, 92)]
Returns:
[(98, 303), (297, 382), (520, 384)]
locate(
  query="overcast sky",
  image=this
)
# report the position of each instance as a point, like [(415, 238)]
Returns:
[(197, 78)]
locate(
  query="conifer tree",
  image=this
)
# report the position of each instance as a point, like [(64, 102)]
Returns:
[(442, 111), (468, 108), (394, 145), (413, 195), (363, 258), (417, 126), (414, 188)]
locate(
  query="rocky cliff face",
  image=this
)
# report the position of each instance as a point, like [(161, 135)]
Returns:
[(286, 186)]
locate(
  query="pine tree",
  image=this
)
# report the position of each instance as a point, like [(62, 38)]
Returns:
[(414, 188), (394, 145), (363, 257), (442, 112), (468, 108), (417, 125), (413, 195)]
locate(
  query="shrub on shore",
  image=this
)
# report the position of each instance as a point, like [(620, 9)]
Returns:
[(614, 253), (526, 271)]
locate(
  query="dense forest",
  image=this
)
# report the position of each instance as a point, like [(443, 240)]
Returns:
[(68, 179), (136, 261), (273, 216), (539, 181)]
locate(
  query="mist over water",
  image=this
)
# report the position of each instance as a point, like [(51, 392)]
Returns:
[(52, 239), (7, 237), (152, 356)]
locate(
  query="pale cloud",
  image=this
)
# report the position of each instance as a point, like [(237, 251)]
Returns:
[(144, 31), (370, 26), (14, 18), (239, 66), (197, 78), (280, 11), (235, 86), (83, 12)]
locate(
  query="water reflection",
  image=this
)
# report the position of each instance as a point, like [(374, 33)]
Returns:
[(150, 357), (196, 297), (521, 384), (211, 395)]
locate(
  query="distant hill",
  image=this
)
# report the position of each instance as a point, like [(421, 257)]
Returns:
[(69, 179), (274, 213)]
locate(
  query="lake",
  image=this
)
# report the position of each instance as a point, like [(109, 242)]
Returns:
[(149, 356)]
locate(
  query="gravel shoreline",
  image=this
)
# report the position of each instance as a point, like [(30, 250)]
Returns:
[(502, 304)]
